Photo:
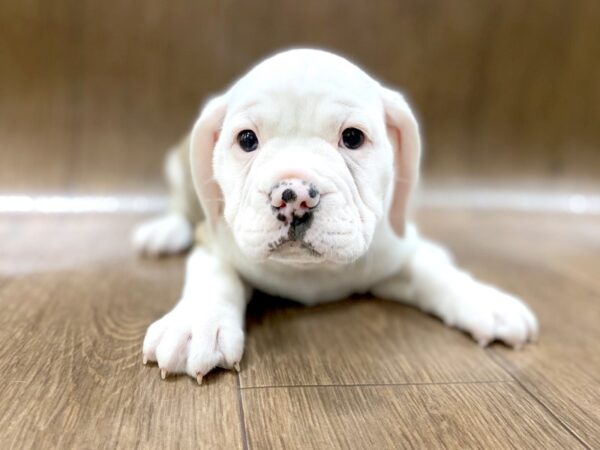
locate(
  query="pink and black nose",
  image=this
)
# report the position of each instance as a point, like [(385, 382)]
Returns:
[(293, 199)]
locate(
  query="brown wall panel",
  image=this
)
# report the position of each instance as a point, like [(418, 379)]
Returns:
[(91, 92)]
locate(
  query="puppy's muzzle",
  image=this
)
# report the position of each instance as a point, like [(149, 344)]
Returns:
[(293, 202)]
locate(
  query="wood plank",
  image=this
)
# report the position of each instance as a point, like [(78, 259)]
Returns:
[(566, 243), (548, 261), (75, 304), (486, 415), (563, 371), (360, 341), (71, 368)]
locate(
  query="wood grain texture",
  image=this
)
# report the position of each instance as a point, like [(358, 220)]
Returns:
[(70, 357), (93, 92), (360, 341), (549, 261), (478, 415), (75, 304)]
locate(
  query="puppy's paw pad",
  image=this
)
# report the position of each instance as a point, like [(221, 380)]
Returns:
[(165, 235)]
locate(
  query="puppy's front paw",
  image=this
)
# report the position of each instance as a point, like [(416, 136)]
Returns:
[(489, 314), (165, 235), (194, 343)]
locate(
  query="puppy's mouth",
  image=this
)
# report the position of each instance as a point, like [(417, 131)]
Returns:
[(298, 225), (291, 247), (292, 251)]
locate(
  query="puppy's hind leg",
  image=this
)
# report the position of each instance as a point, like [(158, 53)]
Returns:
[(172, 233), (166, 235)]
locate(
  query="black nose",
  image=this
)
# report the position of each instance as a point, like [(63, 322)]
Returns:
[(302, 196), (293, 201), (288, 196)]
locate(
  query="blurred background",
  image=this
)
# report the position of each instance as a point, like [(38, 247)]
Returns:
[(93, 92)]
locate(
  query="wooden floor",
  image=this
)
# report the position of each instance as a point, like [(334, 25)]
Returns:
[(363, 373)]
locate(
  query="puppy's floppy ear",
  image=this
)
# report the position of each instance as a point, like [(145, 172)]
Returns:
[(202, 143), (403, 132)]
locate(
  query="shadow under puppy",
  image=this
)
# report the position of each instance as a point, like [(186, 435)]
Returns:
[(304, 170)]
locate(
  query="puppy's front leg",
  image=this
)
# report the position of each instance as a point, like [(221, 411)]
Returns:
[(205, 329), (431, 282)]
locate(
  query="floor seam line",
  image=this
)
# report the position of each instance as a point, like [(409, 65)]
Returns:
[(505, 365), (241, 414), (445, 383)]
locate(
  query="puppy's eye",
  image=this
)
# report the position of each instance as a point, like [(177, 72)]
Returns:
[(353, 138), (247, 140)]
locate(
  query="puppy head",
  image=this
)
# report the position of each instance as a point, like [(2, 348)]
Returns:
[(303, 157)]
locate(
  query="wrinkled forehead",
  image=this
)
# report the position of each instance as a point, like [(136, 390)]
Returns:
[(293, 92)]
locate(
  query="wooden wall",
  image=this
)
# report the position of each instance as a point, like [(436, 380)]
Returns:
[(503, 88)]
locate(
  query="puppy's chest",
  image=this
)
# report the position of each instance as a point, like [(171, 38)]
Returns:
[(306, 285), (312, 286), (318, 284)]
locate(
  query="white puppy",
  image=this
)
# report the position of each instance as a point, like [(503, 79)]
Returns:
[(304, 169)]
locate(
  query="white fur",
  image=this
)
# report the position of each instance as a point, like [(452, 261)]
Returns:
[(171, 233), (298, 102), (205, 329), (164, 235)]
